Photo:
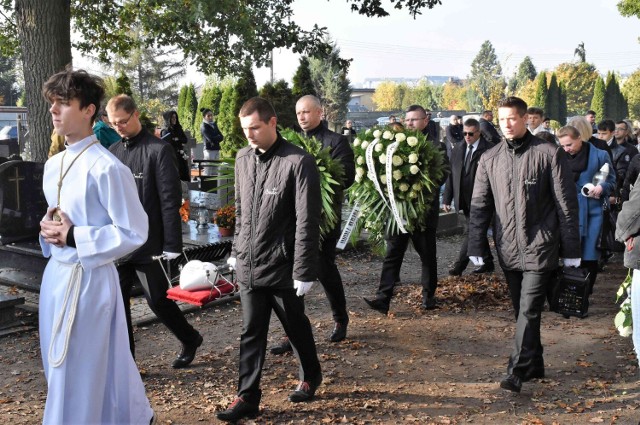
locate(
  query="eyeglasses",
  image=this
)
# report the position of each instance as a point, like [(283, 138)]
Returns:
[(469, 133), (122, 123)]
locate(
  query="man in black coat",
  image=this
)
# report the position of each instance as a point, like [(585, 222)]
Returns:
[(525, 184), (153, 164), (454, 133), (487, 128), (459, 188), (424, 241)]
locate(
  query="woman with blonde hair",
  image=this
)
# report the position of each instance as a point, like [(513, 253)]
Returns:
[(586, 134)]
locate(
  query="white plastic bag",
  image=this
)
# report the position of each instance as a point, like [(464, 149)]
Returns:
[(197, 275)]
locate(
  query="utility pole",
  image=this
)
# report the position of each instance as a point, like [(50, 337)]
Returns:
[(271, 65)]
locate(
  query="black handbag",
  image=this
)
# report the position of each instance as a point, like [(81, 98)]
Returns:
[(571, 293)]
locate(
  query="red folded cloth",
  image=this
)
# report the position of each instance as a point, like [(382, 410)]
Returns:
[(204, 296)]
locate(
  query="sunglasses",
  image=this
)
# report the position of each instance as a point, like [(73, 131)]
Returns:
[(471, 133)]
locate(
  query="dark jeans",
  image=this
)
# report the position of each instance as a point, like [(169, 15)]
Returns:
[(329, 277), (257, 304), (463, 257), (154, 283), (528, 292), (424, 243)]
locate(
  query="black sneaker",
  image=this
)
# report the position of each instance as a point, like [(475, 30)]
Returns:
[(237, 410), (283, 347), (305, 390), (511, 383)]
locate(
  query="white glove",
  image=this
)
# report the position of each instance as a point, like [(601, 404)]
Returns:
[(571, 262), (477, 261), (231, 262), (302, 287), (170, 255)]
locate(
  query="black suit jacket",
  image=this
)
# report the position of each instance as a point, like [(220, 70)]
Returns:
[(460, 181)]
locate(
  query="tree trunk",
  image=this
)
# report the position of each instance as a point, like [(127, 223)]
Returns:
[(44, 30)]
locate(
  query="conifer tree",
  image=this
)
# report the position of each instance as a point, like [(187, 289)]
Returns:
[(182, 97), (302, 83), (611, 97), (598, 100), (540, 100), (123, 84), (283, 101), (562, 113), (190, 110), (552, 105)]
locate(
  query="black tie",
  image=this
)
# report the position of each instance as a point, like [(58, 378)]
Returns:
[(467, 160)]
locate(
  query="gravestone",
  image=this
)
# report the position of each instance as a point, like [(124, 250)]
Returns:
[(22, 202)]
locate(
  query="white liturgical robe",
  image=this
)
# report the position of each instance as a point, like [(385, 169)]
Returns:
[(91, 375)]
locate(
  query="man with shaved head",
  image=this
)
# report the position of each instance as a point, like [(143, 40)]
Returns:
[(309, 113)]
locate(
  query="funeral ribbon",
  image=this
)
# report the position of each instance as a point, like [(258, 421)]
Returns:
[(371, 173), (348, 228), (72, 290), (391, 149)]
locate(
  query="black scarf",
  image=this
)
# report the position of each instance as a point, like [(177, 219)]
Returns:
[(578, 162)]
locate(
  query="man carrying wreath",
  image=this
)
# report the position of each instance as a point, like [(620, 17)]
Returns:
[(424, 241)]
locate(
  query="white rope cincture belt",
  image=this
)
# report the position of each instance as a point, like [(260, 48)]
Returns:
[(72, 291)]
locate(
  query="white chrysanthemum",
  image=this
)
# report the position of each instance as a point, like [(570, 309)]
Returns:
[(413, 158), (356, 142), (358, 178), (383, 159), (383, 179), (365, 144), (379, 147), (625, 331), (417, 187), (360, 160), (400, 137), (413, 195), (404, 187), (360, 171), (387, 135), (367, 131), (397, 160), (377, 134), (414, 169), (412, 141), (397, 174)]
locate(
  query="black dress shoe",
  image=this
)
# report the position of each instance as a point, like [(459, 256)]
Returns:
[(512, 383), (533, 374), (305, 390), (339, 332), (485, 268), (378, 305), (283, 347), (239, 409), (187, 355), (456, 270), (429, 303)]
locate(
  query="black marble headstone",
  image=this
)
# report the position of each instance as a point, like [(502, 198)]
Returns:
[(22, 202)]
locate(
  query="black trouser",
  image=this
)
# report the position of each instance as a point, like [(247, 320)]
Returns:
[(463, 257), (154, 284), (424, 243), (257, 304), (329, 277), (528, 292)]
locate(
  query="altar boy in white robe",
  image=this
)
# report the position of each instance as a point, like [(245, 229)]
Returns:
[(94, 217)]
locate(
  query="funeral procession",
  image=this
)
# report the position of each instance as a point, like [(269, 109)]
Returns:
[(319, 212)]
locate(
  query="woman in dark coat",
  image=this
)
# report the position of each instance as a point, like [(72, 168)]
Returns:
[(172, 132)]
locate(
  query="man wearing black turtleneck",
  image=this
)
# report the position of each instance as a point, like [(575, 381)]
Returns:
[(528, 185), (153, 164)]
